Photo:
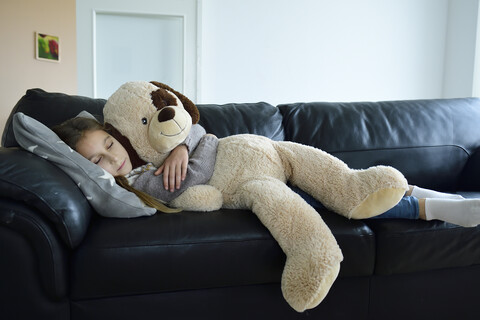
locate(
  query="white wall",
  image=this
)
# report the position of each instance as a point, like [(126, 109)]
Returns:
[(459, 77), (283, 51), (19, 19), (310, 50)]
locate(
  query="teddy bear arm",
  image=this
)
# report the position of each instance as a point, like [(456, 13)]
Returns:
[(199, 198)]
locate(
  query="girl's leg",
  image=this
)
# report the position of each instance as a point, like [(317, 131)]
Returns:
[(308, 198), (459, 211), (407, 208), (462, 212)]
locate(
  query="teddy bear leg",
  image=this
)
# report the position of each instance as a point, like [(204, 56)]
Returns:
[(352, 193), (313, 255)]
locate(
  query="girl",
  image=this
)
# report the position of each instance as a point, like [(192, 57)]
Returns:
[(89, 138)]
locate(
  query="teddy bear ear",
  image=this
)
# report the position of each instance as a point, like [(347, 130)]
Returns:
[(187, 103), (133, 155)]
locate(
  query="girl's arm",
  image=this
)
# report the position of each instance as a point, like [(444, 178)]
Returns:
[(200, 170), (174, 168)]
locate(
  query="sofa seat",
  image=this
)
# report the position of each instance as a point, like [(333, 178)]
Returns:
[(133, 256)]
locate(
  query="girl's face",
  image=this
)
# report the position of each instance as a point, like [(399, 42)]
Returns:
[(104, 150)]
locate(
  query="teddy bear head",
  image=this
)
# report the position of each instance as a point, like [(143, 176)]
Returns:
[(149, 119)]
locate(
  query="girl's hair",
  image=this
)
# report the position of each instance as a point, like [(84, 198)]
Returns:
[(73, 130)]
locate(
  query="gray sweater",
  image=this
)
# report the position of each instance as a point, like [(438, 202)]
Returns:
[(202, 155)]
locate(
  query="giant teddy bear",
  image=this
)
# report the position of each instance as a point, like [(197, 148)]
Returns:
[(251, 172)]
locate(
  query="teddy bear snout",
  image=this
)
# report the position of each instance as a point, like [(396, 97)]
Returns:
[(166, 114)]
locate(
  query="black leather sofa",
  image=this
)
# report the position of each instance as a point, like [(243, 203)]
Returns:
[(61, 260)]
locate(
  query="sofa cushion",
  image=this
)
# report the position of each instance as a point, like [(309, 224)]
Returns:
[(193, 250), (429, 141), (168, 252), (235, 118), (405, 246)]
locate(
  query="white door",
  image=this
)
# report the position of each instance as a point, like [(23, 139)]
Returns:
[(123, 40)]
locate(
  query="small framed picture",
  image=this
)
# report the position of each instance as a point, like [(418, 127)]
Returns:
[(47, 47)]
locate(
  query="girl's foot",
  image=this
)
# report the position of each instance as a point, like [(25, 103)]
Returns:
[(462, 212), (421, 193)]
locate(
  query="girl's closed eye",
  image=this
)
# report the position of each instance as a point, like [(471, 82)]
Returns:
[(97, 161)]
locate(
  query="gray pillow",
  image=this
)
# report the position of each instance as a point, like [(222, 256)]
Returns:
[(98, 186)]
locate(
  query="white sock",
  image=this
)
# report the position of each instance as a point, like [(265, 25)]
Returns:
[(462, 212), (422, 193)]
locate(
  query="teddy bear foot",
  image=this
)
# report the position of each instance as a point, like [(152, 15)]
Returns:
[(388, 186), (304, 290), (327, 284), (377, 203)]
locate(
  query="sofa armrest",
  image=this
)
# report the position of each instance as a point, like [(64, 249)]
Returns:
[(470, 176), (38, 183), (34, 261)]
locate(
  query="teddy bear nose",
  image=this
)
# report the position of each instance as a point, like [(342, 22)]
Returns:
[(166, 114)]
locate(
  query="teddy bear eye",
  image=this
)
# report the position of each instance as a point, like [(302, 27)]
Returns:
[(144, 120)]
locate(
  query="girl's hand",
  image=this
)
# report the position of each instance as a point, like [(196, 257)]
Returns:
[(174, 168)]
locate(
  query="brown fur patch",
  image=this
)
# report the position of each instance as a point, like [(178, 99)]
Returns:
[(161, 98), (134, 158), (187, 103)]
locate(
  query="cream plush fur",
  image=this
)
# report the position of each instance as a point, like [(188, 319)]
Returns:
[(251, 173)]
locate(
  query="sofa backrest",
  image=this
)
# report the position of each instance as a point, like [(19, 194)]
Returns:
[(53, 108), (50, 109), (236, 118), (429, 141)]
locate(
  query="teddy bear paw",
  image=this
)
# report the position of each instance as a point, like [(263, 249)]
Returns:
[(304, 286), (385, 186), (324, 288)]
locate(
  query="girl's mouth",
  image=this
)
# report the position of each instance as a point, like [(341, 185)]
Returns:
[(121, 166)]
